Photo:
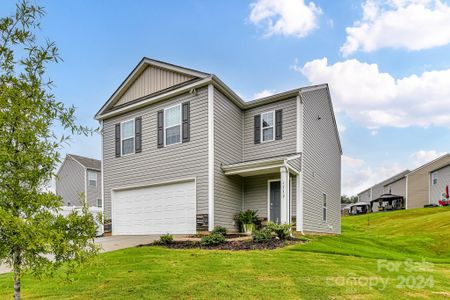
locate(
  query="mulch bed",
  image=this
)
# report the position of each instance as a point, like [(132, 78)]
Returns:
[(230, 245), (228, 235)]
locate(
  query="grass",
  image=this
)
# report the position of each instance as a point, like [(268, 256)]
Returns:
[(337, 267)]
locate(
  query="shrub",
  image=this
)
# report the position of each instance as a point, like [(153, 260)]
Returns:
[(262, 236), (166, 239), (245, 218), (219, 230), (282, 231), (213, 239)]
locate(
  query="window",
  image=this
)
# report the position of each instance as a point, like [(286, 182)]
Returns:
[(267, 120), (324, 216), (127, 137), (434, 177), (172, 125), (99, 202), (92, 178)]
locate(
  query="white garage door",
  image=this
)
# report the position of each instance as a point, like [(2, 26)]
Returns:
[(160, 209)]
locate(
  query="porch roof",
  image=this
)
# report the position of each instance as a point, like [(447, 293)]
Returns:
[(263, 166)]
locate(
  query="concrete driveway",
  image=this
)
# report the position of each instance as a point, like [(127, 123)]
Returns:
[(117, 242), (111, 243)]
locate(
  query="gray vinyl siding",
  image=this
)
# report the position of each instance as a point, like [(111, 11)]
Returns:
[(94, 192), (227, 150), (155, 165), (377, 191), (443, 180), (365, 196), (70, 182), (295, 163), (397, 187), (321, 163), (287, 145), (255, 193)]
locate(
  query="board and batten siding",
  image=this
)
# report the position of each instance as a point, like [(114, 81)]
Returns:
[(155, 165), (419, 180), (227, 150), (287, 145), (151, 80), (70, 182), (94, 192), (321, 163), (443, 180), (256, 197)]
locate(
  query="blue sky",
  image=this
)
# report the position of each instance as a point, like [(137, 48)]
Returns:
[(386, 61)]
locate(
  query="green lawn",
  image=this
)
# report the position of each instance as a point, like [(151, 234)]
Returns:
[(338, 267)]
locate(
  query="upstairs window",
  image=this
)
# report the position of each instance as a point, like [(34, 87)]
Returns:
[(267, 121), (99, 202), (324, 212), (127, 137), (172, 125), (92, 178), (434, 177)]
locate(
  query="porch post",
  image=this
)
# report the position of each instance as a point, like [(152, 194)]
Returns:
[(284, 186)]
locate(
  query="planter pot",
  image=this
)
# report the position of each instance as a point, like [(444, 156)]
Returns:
[(249, 228)]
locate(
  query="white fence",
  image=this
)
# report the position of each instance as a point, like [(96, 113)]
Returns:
[(95, 211)]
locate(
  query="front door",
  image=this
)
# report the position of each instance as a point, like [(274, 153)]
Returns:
[(275, 201)]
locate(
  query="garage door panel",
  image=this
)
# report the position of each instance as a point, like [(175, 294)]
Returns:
[(159, 209)]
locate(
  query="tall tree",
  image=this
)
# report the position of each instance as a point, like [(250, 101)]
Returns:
[(34, 237)]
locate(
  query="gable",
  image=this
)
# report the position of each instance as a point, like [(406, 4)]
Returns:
[(152, 79)]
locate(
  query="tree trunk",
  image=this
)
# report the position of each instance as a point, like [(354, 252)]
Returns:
[(17, 267), (16, 285)]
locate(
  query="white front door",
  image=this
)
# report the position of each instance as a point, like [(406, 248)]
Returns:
[(159, 209)]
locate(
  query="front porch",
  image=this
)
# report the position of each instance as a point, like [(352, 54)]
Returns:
[(269, 186)]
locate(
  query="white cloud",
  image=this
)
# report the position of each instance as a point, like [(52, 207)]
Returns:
[(423, 156), (358, 175), (375, 99), (285, 17), (263, 93), (409, 24)]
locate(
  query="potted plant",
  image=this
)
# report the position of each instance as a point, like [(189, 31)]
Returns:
[(247, 221)]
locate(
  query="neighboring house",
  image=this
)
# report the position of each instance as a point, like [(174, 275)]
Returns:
[(183, 153), (395, 185), (420, 182), (439, 184), (79, 178), (418, 187)]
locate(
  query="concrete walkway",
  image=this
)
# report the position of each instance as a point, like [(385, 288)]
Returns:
[(112, 243)]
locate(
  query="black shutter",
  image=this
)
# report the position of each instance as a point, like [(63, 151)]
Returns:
[(257, 129), (160, 134), (278, 124), (117, 140), (138, 135), (186, 130)]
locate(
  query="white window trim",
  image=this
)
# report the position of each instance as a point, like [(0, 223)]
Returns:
[(89, 180), (99, 201), (133, 137), (179, 124), (434, 174), (273, 126), (326, 208)]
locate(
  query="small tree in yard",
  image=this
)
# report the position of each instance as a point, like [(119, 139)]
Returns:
[(33, 236)]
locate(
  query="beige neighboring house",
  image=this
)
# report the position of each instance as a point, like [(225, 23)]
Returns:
[(80, 177), (419, 182), (183, 153), (419, 187)]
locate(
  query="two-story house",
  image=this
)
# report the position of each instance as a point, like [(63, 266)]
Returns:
[(182, 153), (79, 179)]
